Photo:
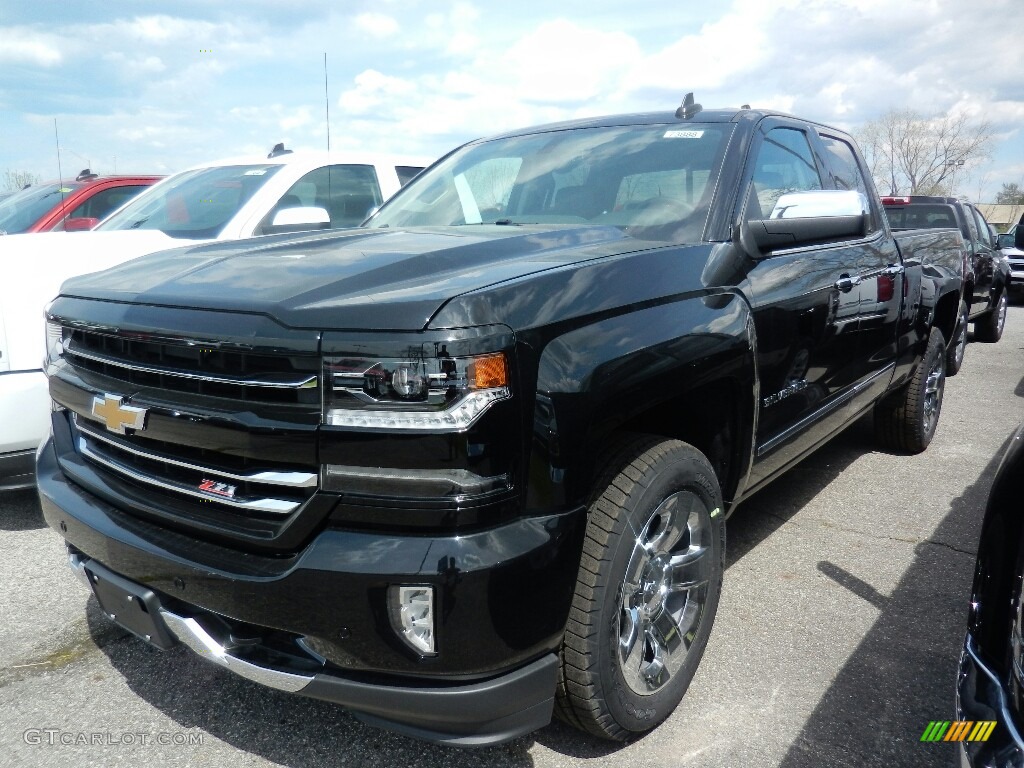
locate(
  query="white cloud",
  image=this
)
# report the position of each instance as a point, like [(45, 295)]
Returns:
[(23, 46), (296, 118), (376, 24), (373, 89), (561, 61), (710, 57)]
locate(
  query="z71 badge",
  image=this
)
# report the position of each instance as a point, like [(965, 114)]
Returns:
[(219, 489)]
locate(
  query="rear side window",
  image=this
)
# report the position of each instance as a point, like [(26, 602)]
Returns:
[(984, 235), (784, 164), (845, 170), (971, 224)]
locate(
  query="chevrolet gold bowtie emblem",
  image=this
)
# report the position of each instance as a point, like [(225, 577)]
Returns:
[(110, 410)]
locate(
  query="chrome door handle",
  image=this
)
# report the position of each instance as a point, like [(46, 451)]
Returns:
[(846, 283)]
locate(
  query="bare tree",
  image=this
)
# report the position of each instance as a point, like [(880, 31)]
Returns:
[(911, 154), (15, 180)]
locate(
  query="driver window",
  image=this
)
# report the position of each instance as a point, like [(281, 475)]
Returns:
[(784, 164), (347, 192)]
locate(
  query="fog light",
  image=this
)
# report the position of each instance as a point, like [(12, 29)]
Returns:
[(412, 616)]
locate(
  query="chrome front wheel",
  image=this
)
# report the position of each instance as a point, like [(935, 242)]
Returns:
[(664, 592)]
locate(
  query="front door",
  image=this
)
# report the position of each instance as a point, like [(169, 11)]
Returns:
[(806, 303)]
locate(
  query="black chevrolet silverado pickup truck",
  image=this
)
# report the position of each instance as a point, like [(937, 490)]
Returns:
[(986, 267), (472, 463)]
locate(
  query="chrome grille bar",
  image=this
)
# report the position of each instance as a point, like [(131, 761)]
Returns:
[(275, 506), (285, 479), (308, 381)]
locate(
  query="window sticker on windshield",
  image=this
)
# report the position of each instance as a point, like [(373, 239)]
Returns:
[(255, 172), (683, 134), (64, 190)]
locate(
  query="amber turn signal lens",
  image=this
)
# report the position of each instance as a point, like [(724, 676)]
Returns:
[(488, 372)]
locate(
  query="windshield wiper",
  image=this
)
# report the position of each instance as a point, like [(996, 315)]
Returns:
[(139, 223)]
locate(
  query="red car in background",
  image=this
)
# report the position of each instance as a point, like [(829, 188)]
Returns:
[(71, 206)]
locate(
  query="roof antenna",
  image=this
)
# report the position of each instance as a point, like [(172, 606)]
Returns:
[(688, 109), (327, 109), (60, 173), (745, 106), (327, 105)]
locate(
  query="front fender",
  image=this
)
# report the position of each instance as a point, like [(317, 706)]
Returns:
[(684, 368)]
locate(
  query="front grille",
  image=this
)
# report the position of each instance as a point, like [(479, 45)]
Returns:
[(277, 491), (1017, 646), (195, 367), (226, 442)]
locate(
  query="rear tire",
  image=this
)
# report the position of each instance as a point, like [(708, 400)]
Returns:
[(957, 349), (647, 591), (906, 420), (990, 327)]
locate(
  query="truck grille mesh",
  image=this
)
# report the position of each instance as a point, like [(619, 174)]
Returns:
[(198, 369)]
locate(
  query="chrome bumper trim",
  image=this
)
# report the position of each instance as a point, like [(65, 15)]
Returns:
[(191, 634)]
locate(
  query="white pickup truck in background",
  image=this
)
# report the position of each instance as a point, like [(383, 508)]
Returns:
[(225, 200)]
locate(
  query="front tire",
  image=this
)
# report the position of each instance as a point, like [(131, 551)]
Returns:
[(906, 420), (647, 591), (990, 327)]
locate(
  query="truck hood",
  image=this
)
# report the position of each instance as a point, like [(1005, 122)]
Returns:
[(380, 279), (35, 265)]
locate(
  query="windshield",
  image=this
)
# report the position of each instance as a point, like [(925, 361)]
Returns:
[(23, 209), (193, 204), (653, 181)]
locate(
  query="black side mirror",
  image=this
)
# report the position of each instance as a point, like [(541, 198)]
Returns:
[(1018, 237), (804, 218)]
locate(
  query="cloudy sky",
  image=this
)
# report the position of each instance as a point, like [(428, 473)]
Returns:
[(151, 86)]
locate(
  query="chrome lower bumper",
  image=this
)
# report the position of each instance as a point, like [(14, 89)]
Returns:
[(478, 714), (188, 632)]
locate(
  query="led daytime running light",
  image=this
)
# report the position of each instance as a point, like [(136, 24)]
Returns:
[(456, 419)]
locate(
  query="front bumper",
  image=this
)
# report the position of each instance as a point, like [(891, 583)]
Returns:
[(315, 622), (981, 696)]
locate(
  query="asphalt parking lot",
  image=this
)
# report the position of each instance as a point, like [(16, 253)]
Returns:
[(836, 641)]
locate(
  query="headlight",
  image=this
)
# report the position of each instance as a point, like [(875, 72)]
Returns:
[(54, 342), (434, 392)]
